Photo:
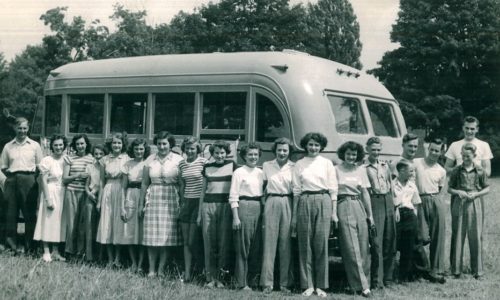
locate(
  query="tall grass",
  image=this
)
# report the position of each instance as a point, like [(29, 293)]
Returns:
[(24, 277)]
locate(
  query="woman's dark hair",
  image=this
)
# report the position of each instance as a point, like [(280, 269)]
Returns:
[(220, 144), (137, 142), (283, 141), (81, 136), (100, 147), (244, 150), (315, 136), (353, 146), (191, 140), (118, 135), (165, 135), (56, 137)]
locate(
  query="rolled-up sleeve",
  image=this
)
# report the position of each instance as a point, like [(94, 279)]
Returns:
[(333, 186), (234, 192), (296, 182)]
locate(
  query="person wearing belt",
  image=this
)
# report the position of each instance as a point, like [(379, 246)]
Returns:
[(355, 215), (277, 216), (19, 162), (314, 185), (430, 179), (245, 198), (383, 249)]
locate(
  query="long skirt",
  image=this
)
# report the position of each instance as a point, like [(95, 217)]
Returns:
[(48, 223), (161, 217), (110, 227), (70, 230), (133, 227)]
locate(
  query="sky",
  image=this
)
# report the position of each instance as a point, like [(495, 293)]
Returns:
[(20, 23)]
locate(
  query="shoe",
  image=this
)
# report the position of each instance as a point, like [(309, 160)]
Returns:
[(478, 277), (210, 284), (366, 293), (2, 248), (320, 293), (267, 290), (58, 257), (457, 276), (308, 292), (435, 279), (285, 290), (246, 288), (219, 284), (46, 257), (151, 274)]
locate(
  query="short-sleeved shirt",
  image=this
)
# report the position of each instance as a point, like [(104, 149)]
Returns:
[(314, 174), (379, 175), (406, 195), (94, 171), (483, 151), (279, 179), (351, 181), (246, 181), (193, 179), (134, 170), (164, 170), (429, 179), (78, 164), (218, 177), (23, 157), (113, 165), (53, 168), (469, 181)]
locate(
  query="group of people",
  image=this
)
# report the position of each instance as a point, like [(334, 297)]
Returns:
[(119, 195)]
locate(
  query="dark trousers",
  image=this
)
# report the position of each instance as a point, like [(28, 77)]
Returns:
[(3, 213), (21, 192), (407, 235), (434, 213)]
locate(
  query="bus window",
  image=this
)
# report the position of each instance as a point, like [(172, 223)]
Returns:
[(86, 114), (269, 123), (383, 120), (128, 113), (223, 115), (53, 114), (348, 115), (174, 112)]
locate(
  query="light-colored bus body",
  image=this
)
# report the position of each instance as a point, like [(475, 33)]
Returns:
[(246, 89)]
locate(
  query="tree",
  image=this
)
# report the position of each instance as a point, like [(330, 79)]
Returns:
[(450, 52), (333, 32)]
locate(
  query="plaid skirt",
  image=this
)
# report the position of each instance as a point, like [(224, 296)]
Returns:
[(161, 217)]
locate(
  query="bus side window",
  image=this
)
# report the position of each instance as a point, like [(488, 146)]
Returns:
[(86, 113), (348, 115), (269, 122), (53, 105), (128, 113), (383, 120), (174, 112), (223, 115)]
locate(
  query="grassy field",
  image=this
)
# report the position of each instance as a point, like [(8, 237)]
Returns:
[(30, 278)]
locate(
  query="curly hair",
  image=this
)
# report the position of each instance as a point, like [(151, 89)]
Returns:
[(283, 141), (315, 136), (56, 137), (137, 142), (88, 148), (353, 146), (165, 135), (191, 140), (220, 144), (244, 150), (118, 135)]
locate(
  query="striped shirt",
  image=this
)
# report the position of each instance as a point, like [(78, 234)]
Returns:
[(218, 178), (77, 164), (190, 173)]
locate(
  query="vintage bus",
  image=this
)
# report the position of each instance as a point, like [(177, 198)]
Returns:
[(239, 97)]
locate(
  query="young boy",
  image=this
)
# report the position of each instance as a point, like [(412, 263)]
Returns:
[(406, 198), (468, 183), (383, 247)]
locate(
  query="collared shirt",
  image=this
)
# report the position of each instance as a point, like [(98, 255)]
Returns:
[(379, 175), (472, 180), (53, 168), (23, 156), (94, 171), (279, 179), (246, 181), (429, 179), (314, 174), (406, 195), (113, 165), (164, 170), (352, 181), (483, 151)]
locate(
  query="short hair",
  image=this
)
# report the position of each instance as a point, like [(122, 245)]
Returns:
[(409, 137), (165, 135), (84, 137), (471, 119), (20, 120), (56, 137), (191, 140), (282, 141), (137, 142), (118, 135), (252, 145), (350, 145), (220, 144), (403, 164), (436, 141), (373, 140), (469, 147), (101, 147), (315, 136)]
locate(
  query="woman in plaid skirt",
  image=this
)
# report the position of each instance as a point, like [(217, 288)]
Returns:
[(160, 202)]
